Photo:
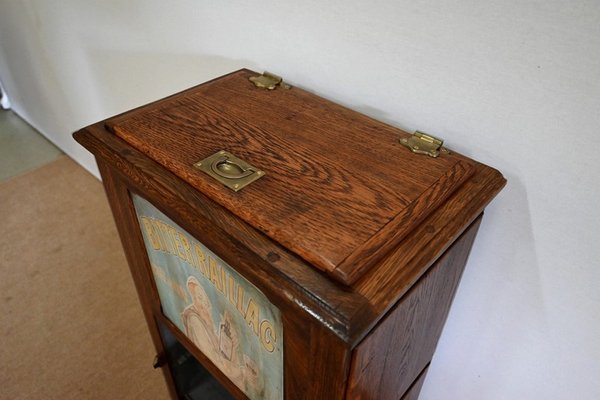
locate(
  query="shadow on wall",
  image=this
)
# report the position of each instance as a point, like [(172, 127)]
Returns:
[(501, 286), (131, 79)]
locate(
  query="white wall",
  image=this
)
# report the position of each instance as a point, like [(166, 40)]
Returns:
[(515, 84)]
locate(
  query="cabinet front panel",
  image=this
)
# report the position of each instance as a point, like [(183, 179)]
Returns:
[(223, 314)]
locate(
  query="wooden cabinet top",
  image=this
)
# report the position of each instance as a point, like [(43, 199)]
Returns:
[(339, 189)]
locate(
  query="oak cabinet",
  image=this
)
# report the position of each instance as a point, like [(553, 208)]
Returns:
[(283, 246)]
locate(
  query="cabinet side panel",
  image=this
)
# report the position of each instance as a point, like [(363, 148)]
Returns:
[(124, 215), (415, 389), (316, 361), (390, 358)]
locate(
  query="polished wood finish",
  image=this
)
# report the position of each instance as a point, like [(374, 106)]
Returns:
[(391, 357), (415, 389), (277, 270), (407, 233), (124, 215), (306, 337), (387, 282), (339, 207)]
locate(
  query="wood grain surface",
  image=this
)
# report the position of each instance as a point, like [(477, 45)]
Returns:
[(311, 347), (341, 199), (273, 269), (350, 312), (338, 185), (131, 238), (415, 389), (387, 361)]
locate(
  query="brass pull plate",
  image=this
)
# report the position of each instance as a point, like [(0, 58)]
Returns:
[(232, 172)]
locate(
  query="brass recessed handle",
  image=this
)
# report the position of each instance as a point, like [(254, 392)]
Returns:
[(229, 169)]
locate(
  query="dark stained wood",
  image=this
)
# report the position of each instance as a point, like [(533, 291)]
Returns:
[(122, 210), (330, 363), (385, 284), (310, 345), (388, 237), (389, 359), (342, 200), (334, 305), (415, 389), (316, 362), (335, 206), (354, 311)]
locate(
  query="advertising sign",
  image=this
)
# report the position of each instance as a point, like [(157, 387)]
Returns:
[(222, 313)]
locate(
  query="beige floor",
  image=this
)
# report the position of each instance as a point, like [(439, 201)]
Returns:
[(22, 148), (70, 323)]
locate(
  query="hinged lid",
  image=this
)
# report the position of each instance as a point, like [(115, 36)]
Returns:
[(339, 189)]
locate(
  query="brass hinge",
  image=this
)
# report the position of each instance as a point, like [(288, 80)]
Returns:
[(422, 143), (268, 81)]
